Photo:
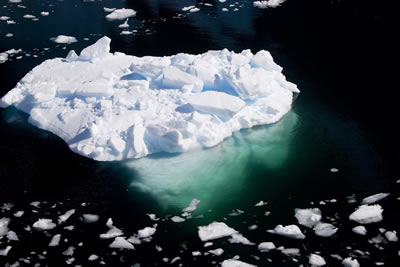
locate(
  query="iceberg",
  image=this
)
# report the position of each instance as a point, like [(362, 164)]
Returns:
[(111, 106)]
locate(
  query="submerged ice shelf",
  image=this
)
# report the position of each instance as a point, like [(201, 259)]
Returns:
[(111, 106)]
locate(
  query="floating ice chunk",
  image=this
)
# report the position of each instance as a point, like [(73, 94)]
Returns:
[(120, 14), (44, 224), (120, 242), (35, 204), (308, 217), (361, 230), (113, 232), (44, 13), (93, 257), (325, 229), (9, 35), (11, 22), (4, 18), (177, 219), (12, 236), (349, 262), (29, 16), (177, 79), (146, 232), (90, 218), (65, 216), (291, 251), (124, 25), (374, 198), (367, 214), (222, 1), (260, 203), (266, 246), (55, 240), (196, 9), (192, 206), (334, 170), (216, 252), (269, 3), (153, 217), (134, 240), (239, 238), (108, 10), (215, 230), (187, 8), (4, 252), (64, 39), (69, 252), (391, 236), (291, 231), (196, 253), (4, 222), (235, 263), (316, 260), (126, 33)]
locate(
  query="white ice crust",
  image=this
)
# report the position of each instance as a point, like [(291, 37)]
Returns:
[(111, 106)]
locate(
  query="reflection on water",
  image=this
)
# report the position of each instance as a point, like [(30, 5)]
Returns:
[(217, 174)]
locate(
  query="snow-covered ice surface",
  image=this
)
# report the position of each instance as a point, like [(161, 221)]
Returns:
[(367, 214), (110, 106)]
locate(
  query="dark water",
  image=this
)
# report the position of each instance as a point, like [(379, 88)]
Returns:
[(344, 57)]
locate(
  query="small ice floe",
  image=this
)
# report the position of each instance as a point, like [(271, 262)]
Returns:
[(19, 214), (153, 217), (126, 33), (260, 203), (12, 236), (69, 228), (252, 227), (120, 242), (4, 252), (146, 232), (236, 212), (134, 240), (239, 238), (193, 10), (44, 13), (308, 217), (291, 231), (192, 206), (267, 213), (351, 199), (4, 18), (374, 198), (208, 244), (35, 204), (90, 218), (316, 260), (175, 259), (291, 251), (216, 252), (187, 8), (109, 10), (266, 246), (224, 9), (44, 224), (120, 14), (112, 232), (268, 3), (65, 216), (4, 222), (361, 230), (9, 35), (349, 262), (15, 1), (93, 257), (215, 230), (222, 1), (325, 229), (236, 263), (391, 236), (124, 25), (177, 219), (366, 214), (11, 22), (333, 170), (158, 248), (29, 16), (55, 240), (196, 253), (69, 252), (64, 39)]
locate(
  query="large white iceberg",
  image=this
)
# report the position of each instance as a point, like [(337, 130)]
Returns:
[(111, 106)]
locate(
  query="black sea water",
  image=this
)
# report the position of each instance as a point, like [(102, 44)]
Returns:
[(343, 55)]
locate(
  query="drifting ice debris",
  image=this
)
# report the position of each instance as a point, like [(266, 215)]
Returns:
[(134, 240), (216, 252), (44, 13), (4, 222), (19, 214), (291, 251), (177, 219), (308, 217), (325, 229), (109, 10), (93, 257), (266, 246), (215, 230), (291, 231), (153, 217), (120, 242), (196, 253), (4, 252), (268, 3), (349, 262), (110, 106), (260, 203), (55, 240), (146, 232), (44, 224), (12, 236), (35, 204), (367, 214), (65, 216), (236, 263), (374, 198), (187, 8), (64, 39), (316, 260), (192, 206), (69, 251), (391, 236), (239, 238), (334, 170), (361, 230), (90, 218), (120, 14)]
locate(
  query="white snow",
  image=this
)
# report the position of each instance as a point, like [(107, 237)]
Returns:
[(113, 106), (361, 230), (124, 25), (374, 198), (349, 262), (266, 246), (325, 229), (291, 231), (146, 232), (235, 263), (308, 217), (120, 14), (108, 10), (120, 242), (367, 214), (268, 3), (316, 260), (44, 224), (90, 218), (64, 39), (55, 240), (215, 230)]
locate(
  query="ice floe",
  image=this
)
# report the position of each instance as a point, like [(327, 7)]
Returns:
[(374, 198), (120, 242), (366, 214), (55, 240), (120, 14), (308, 217), (349, 262), (113, 106), (235, 263), (44, 224), (325, 229), (215, 230), (64, 39), (316, 260), (291, 231), (268, 3), (361, 230), (266, 246)]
